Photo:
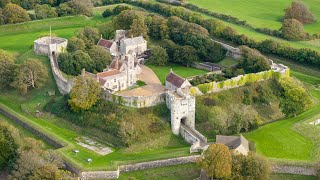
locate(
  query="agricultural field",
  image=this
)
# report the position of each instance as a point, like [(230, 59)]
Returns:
[(312, 44), (259, 13)]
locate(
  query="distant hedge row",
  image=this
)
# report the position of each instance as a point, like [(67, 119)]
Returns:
[(218, 29)]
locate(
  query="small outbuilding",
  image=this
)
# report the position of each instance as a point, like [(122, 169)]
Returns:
[(237, 143), (174, 81)]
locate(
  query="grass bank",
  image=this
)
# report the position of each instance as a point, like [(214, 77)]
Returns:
[(291, 138)]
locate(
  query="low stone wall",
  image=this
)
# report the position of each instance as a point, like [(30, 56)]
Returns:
[(135, 101), (276, 72), (158, 163), (211, 68), (34, 131), (64, 85), (307, 171), (100, 175)]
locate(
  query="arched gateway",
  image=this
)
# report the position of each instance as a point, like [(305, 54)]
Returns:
[(182, 106)]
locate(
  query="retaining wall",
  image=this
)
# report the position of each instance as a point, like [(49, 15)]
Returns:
[(294, 170), (64, 85), (135, 101)]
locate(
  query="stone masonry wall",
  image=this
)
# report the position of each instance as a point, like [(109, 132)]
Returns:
[(135, 101), (64, 85)]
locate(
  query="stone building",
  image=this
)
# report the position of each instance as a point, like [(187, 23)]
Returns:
[(122, 45), (47, 45), (121, 74), (237, 143), (180, 102)]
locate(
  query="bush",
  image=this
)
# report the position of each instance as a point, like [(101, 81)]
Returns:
[(292, 29), (253, 61), (299, 11), (159, 56)]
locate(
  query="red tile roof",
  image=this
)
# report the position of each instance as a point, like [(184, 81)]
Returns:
[(108, 73), (113, 64), (175, 79), (105, 43)]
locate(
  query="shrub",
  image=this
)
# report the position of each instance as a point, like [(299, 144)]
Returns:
[(293, 30), (299, 11)]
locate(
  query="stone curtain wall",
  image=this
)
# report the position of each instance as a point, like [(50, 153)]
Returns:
[(232, 51), (64, 85), (135, 101), (100, 175), (240, 81), (159, 163)]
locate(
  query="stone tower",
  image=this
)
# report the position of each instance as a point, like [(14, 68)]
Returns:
[(180, 102)]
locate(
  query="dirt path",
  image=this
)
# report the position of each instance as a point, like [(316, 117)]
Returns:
[(153, 84)]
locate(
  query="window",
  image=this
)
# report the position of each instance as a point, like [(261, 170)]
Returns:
[(114, 87), (107, 84), (122, 85), (115, 80)]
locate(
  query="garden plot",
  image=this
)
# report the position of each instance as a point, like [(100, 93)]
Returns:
[(93, 145)]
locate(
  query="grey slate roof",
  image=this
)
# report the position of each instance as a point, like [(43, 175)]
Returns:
[(232, 141), (133, 41)]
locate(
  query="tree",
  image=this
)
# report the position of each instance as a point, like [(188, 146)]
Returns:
[(107, 30), (8, 146), (89, 35), (299, 11), (31, 73), (216, 161), (29, 4), (118, 9), (7, 67), (159, 56), (138, 28), (75, 44), (84, 93), (101, 57), (45, 11), (253, 61), (65, 63), (295, 99), (292, 29), (185, 55), (15, 14), (64, 9), (252, 166), (81, 7), (125, 19), (3, 3), (81, 60)]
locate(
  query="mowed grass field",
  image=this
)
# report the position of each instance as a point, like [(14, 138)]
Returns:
[(19, 38), (292, 138), (259, 13), (313, 44)]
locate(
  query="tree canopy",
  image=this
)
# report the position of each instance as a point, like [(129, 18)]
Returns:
[(7, 68), (299, 11), (84, 93), (159, 56), (253, 61), (292, 29), (30, 74), (13, 13), (216, 161)]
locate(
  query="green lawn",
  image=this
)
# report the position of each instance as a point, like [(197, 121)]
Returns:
[(259, 13), (163, 71), (291, 138), (18, 38), (291, 177), (228, 61), (178, 172)]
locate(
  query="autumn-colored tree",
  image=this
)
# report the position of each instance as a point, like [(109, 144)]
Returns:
[(292, 29), (216, 161), (84, 93), (7, 67), (45, 11), (13, 13), (30, 74), (299, 11), (138, 28)]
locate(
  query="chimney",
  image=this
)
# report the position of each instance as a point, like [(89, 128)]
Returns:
[(83, 72)]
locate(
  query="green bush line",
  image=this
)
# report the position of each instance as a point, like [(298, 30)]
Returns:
[(240, 81), (303, 55)]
